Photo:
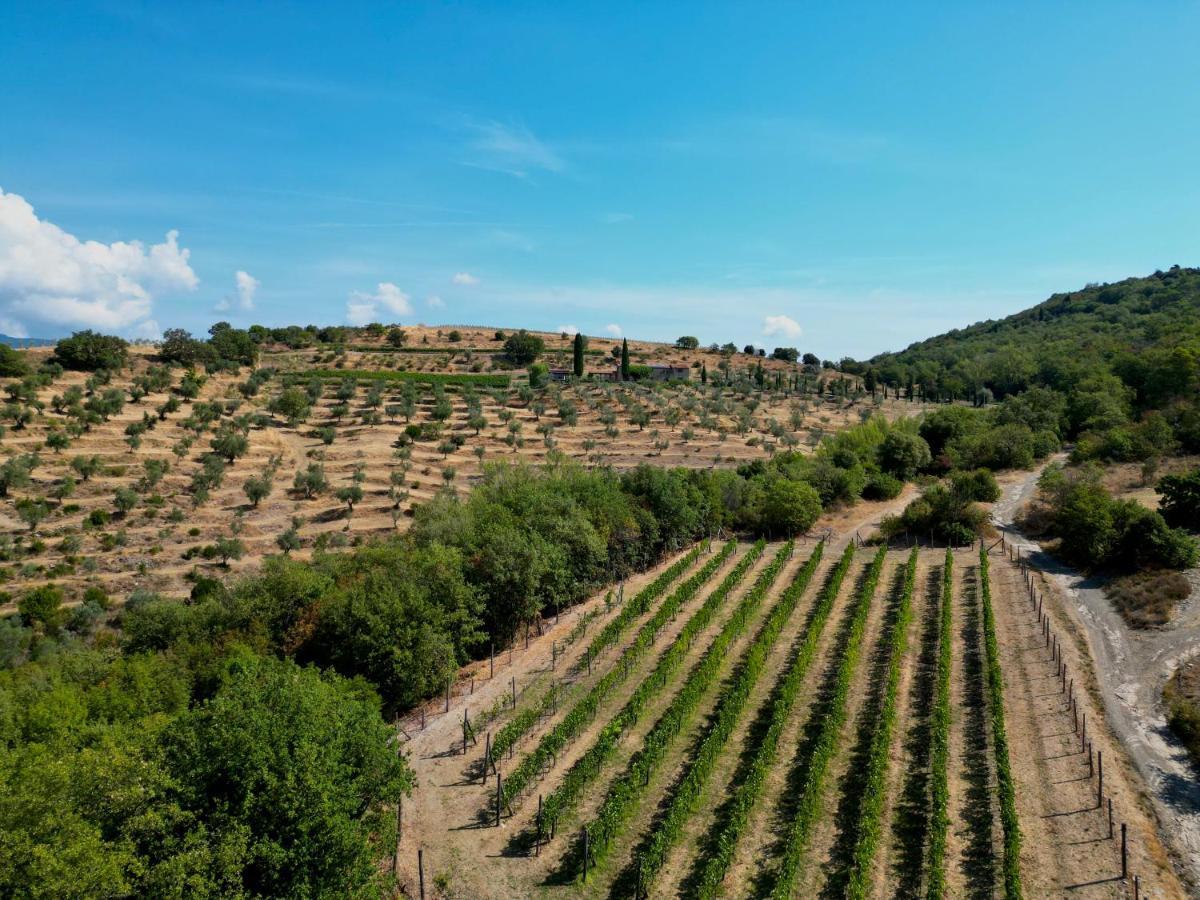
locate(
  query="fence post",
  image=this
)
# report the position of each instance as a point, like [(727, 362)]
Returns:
[(1124, 853), (514, 692), (537, 844), (421, 871), (487, 758), (1110, 819), (1100, 783), (499, 790)]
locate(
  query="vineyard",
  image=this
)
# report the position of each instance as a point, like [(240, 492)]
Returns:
[(796, 719), (145, 478)]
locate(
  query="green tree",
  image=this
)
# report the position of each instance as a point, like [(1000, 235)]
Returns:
[(624, 359), (86, 466), (12, 362), (257, 488), (350, 495), (16, 472), (903, 454), (522, 348), (228, 548), (577, 349), (32, 511), (1180, 503), (90, 351), (687, 342), (293, 404), (310, 481), (789, 507), (125, 500), (230, 444), (43, 606), (292, 772)]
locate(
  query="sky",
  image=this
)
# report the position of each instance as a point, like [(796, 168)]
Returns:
[(843, 178)]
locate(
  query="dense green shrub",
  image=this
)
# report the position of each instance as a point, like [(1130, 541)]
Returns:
[(1097, 532), (90, 351)]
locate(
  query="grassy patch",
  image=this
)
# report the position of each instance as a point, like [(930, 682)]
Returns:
[(1147, 599)]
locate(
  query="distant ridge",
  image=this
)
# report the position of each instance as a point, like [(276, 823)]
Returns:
[(22, 343)]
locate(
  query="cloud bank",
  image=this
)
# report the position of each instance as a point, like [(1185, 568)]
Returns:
[(362, 308), (781, 326), (50, 278)]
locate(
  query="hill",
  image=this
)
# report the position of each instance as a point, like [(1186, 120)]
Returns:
[(127, 492), (1146, 330)]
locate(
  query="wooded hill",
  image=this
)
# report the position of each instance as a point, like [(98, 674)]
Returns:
[(1146, 330)]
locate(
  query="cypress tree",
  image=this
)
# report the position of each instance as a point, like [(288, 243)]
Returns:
[(578, 352), (624, 359), (703, 373)]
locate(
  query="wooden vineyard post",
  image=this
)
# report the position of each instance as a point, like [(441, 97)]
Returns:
[(1124, 853), (1110, 819), (487, 758), (448, 696), (499, 792), (585, 854), (537, 844), (421, 871), (1100, 783), (514, 692)]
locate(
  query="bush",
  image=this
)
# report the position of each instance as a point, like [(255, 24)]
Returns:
[(881, 486)]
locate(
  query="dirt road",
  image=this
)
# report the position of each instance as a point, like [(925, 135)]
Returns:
[(1131, 667)]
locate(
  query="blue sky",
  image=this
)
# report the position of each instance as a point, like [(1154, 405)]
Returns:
[(869, 174)]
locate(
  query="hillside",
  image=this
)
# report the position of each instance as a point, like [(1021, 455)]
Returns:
[(1121, 327), (385, 427)]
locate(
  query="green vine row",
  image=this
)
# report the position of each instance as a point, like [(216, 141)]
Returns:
[(1004, 779), (939, 744), (748, 792), (808, 809), (624, 794), (689, 790), (588, 766), (582, 712), (870, 814)]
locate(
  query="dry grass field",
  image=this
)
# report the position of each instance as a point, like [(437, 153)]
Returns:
[(399, 441)]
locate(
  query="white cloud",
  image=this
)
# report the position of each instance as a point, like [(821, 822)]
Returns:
[(247, 284), (435, 302), (781, 326), (567, 329), (362, 307), (511, 149), (51, 277), (614, 329), (464, 278)]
